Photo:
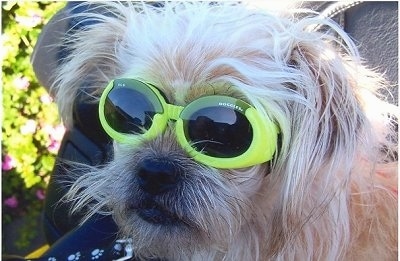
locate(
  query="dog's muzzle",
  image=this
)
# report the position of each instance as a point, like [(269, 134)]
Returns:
[(155, 178)]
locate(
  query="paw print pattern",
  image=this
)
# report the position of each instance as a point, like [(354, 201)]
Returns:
[(74, 257), (97, 253), (118, 248)]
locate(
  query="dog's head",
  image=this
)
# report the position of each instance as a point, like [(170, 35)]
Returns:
[(262, 117)]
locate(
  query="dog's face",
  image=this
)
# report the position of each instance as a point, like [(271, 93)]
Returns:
[(162, 197), (176, 207)]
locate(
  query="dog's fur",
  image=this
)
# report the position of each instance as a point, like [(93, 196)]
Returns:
[(330, 193)]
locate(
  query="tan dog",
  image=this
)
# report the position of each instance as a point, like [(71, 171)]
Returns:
[(329, 191)]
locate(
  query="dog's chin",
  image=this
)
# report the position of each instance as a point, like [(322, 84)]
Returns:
[(155, 229)]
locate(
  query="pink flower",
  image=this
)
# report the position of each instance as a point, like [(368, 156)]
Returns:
[(29, 21), (29, 127), (21, 83), (8, 162), (40, 194), (46, 99), (55, 136), (58, 132), (11, 202), (54, 146), (55, 133)]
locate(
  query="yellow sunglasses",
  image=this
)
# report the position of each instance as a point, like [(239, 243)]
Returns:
[(218, 131)]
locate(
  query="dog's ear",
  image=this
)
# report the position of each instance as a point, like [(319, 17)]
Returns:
[(87, 54), (343, 108), (330, 119), (329, 129)]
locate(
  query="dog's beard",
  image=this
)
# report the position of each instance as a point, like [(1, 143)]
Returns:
[(200, 210)]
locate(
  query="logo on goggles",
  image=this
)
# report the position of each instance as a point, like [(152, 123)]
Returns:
[(230, 105)]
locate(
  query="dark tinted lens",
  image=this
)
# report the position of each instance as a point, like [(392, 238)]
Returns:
[(130, 110), (219, 132)]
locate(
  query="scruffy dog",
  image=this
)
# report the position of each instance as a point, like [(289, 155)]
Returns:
[(240, 134)]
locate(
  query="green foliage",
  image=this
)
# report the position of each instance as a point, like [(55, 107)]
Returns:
[(30, 123)]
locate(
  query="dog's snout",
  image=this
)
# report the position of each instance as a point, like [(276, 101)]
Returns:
[(156, 177)]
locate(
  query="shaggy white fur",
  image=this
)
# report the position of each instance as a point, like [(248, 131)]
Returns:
[(330, 193)]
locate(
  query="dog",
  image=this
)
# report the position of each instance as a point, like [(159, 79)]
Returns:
[(240, 133)]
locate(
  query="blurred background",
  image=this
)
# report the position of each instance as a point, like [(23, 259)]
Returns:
[(31, 128)]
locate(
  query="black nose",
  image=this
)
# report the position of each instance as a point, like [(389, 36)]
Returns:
[(157, 176)]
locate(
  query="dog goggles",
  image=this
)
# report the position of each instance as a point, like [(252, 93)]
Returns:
[(218, 131)]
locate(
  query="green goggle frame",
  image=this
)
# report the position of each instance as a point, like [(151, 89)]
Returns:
[(218, 131)]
